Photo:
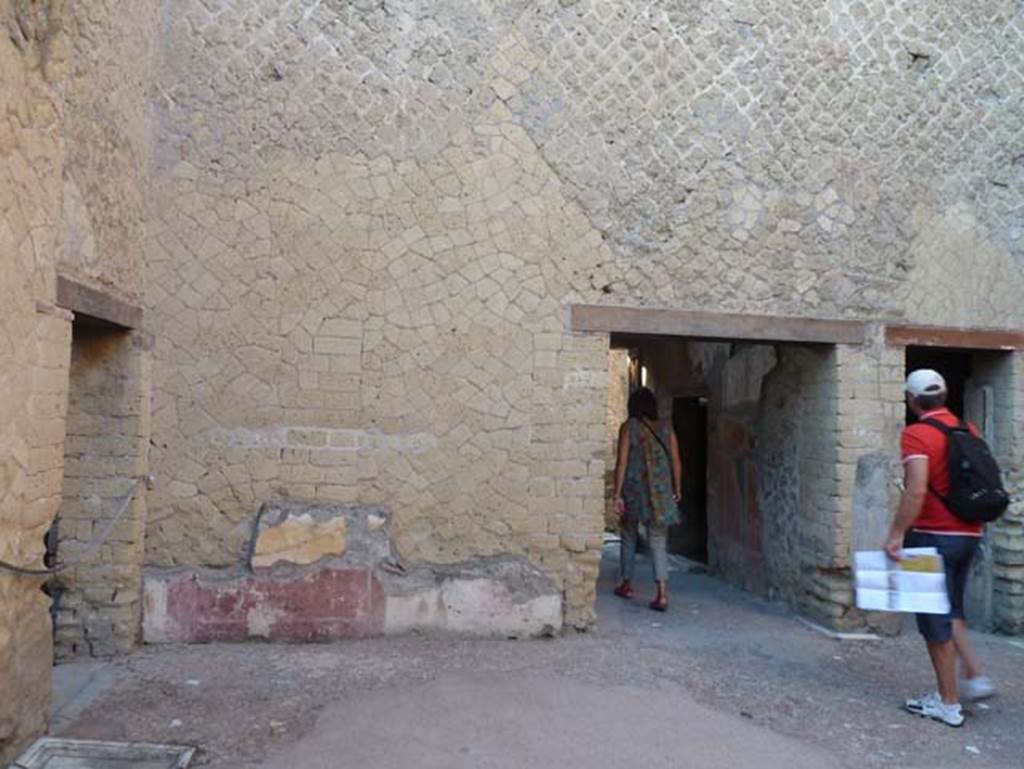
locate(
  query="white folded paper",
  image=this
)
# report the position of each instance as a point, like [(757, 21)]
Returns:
[(915, 584)]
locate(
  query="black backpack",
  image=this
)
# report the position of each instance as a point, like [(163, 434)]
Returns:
[(976, 493)]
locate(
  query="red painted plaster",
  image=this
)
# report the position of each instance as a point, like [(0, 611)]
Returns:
[(322, 605)]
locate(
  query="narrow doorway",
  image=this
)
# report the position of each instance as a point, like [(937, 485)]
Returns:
[(955, 367), (980, 384), (97, 603), (689, 537)]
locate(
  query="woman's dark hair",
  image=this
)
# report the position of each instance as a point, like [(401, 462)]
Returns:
[(642, 403)]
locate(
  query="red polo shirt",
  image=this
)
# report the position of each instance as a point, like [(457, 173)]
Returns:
[(921, 440)]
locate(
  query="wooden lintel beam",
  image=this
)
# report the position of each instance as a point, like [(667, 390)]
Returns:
[(955, 338), (85, 300), (714, 326)]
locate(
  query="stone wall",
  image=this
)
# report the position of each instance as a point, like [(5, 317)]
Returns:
[(784, 423), (105, 125), (316, 572), (785, 157), (58, 60), (349, 313), (34, 339), (862, 467), (105, 128), (1006, 537), (367, 222), (618, 400), (775, 509), (413, 358)]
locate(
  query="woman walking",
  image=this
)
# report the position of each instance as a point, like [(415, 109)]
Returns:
[(648, 477)]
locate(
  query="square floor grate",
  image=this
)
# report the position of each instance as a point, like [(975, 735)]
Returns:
[(51, 753)]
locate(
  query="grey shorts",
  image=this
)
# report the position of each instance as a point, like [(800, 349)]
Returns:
[(957, 552)]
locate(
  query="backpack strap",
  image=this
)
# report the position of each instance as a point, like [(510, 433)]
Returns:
[(945, 430), (668, 454), (941, 427)]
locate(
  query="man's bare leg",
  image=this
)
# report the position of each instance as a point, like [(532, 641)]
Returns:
[(968, 659), (943, 655)]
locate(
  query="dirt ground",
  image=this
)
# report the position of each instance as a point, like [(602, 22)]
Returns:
[(741, 679)]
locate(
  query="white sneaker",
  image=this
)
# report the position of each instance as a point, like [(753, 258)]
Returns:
[(931, 706), (977, 688)]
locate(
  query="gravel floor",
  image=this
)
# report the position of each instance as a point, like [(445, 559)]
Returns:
[(719, 646)]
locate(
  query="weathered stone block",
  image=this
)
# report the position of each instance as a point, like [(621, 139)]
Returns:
[(492, 597), (299, 539), (302, 533)]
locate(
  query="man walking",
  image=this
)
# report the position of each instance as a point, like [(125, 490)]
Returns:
[(923, 520)]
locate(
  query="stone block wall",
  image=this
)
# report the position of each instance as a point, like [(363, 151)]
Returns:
[(789, 417), (852, 464), (34, 340), (50, 53), (1006, 537), (98, 602), (372, 219), (564, 503), (618, 399), (414, 359), (105, 96), (364, 228), (33, 374), (794, 157), (816, 438)]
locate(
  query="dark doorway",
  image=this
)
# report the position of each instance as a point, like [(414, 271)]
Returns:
[(690, 537), (955, 367)]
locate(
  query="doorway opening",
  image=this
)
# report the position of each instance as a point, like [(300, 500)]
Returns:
[(753, 421), (955, 367), (980, 384), (689, 538), (96, 604)]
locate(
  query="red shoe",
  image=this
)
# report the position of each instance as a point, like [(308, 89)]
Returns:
[(659, 604), (624, 591)]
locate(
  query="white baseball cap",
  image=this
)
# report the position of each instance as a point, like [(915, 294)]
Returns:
[(925, 381)]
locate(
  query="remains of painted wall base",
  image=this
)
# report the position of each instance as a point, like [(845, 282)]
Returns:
[(295, 587)]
